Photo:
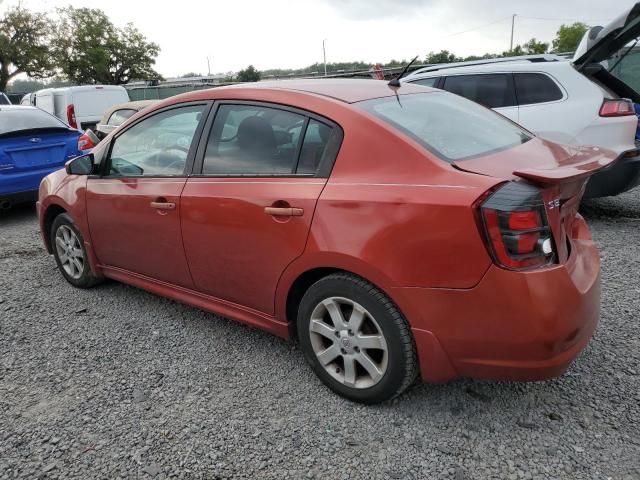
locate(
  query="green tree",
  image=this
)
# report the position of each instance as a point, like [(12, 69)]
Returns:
[(89, 49), (443, 56), (24, 45), (568, 37), (249, 74), (534, 47)]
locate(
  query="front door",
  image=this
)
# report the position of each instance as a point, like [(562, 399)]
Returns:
[(134, 208), (247, 216)]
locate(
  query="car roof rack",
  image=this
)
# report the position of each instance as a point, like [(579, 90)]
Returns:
[(547, 57)]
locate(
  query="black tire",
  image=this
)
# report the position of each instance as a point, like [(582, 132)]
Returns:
[(86, 278), (401, 361)]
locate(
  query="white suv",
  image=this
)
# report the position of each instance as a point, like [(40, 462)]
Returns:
[(574, 102)]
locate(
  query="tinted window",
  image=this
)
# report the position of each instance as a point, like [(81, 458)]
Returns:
[(427, 82), (4, 100), (23, 118), (535, 88), (118, 117), (253, 140), (158, 145), (492, 90), (451, 127), (314, 147)]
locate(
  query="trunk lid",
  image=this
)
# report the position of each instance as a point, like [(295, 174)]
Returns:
[(37, 150), (600, 43), (541, 162), (559, 171)]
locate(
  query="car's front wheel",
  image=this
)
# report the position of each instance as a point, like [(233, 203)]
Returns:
[(356, 339), (70, 253)]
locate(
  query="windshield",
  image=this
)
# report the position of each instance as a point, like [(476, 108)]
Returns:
[(24, 118), (450, 126)]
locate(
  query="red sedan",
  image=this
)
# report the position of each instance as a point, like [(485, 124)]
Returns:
[(396, 232)]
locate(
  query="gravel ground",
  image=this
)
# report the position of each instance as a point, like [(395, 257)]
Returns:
[(114, 382)]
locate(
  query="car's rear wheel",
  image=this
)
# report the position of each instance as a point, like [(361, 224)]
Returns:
[(70, 254), (356, 339)]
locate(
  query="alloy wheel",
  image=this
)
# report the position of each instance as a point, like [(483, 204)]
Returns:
[(348, 342), (70, 252)]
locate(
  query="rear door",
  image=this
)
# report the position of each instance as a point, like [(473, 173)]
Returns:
[(493, 90), (134, 207), (542, 106), (246, 215)]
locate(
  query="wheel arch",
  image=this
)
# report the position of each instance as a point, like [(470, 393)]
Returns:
[(49, 215), (307, 270)]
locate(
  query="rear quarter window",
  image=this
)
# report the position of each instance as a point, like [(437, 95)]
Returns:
[(451, 127), (493, 90), (532, 88), (427, 82)]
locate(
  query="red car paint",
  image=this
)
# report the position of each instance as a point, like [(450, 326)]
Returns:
[(390, 212)]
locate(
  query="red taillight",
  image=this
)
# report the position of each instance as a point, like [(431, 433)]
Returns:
[(516, 227), (85, 143), (88, 140), (71, 116), (617, 108)]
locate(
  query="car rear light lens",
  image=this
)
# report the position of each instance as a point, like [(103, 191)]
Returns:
[(88, 140), (85, 143), (515, 226), (71, 116), (617, 108)]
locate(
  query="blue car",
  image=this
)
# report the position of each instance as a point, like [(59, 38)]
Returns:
[(33, 144)]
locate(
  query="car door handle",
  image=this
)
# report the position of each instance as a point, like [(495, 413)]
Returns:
[(284, 211), (163, 205)]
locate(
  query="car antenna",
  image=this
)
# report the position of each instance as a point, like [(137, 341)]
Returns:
[(396, 81)]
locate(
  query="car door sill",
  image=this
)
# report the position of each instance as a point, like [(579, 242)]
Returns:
[(199, 300)]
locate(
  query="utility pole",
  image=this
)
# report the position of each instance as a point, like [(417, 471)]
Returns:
[(324, 55), (513, 23), (208, 67)]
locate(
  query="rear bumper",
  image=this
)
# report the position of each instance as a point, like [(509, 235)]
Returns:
[(622, 176), (515, 326), (18, 183)]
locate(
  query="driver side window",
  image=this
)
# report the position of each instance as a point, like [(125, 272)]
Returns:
[(156, 146)]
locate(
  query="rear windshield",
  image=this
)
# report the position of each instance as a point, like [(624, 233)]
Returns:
[(25, 118), (450, 126)]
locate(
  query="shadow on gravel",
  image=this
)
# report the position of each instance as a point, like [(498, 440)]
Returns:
[(17, 213), (611, 208)]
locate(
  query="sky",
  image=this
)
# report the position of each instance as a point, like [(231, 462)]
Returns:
[(289, 33)]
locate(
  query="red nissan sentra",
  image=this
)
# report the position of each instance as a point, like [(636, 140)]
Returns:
[(395, 232)]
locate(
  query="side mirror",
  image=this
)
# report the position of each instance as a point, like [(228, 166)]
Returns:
[(82, 165)]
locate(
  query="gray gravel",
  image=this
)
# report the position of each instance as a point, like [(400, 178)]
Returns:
[(118, 383)]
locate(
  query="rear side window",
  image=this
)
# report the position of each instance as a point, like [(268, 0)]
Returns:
[(253, 140), (491, 90), (25, 118), (535, 88), (451, 127), (314, 147), (427, 82)]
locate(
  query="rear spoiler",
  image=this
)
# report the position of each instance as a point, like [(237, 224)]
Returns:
[(574, 171)]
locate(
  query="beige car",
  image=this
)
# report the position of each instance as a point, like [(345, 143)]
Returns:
[(117, 115)]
